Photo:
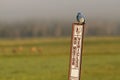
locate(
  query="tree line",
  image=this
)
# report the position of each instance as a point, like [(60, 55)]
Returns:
[(55, 29)]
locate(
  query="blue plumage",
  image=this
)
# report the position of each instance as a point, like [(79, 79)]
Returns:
[(80, 18)]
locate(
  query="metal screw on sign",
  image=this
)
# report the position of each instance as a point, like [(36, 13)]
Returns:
[(76, 48)]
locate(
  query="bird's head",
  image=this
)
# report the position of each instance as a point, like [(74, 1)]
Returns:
[(79, 13)]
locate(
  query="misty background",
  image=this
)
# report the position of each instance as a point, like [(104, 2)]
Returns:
[(54, 18)]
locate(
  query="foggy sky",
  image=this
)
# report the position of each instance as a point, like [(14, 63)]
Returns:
[(12, 10)]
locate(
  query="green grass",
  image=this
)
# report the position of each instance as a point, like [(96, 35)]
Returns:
[(34, 68), (101, 59), (101, 67)]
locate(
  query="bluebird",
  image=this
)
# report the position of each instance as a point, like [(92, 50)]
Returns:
[(80, 18)]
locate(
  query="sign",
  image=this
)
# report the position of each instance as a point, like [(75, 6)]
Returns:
[(76, 51)]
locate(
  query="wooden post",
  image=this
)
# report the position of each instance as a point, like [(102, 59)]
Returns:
[(76, 51)]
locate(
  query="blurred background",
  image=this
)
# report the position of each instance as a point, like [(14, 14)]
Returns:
[(33, 18), (35, 39)]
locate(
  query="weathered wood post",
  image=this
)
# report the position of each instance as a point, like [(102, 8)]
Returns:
[(76, 48)]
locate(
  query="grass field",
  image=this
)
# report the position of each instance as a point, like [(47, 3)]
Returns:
[(101, 59)]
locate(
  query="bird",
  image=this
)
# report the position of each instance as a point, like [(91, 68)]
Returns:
[(80, 18)]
